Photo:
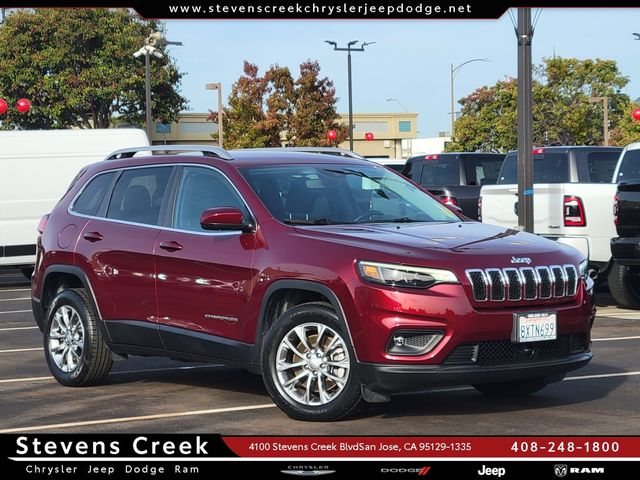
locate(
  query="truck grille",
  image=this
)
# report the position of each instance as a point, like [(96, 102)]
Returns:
[(505, 352), (525, 283)]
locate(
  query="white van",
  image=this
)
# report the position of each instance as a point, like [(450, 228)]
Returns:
[(36, 168)]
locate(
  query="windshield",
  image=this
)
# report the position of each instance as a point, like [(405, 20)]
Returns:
[(629, 166), (336, 194), (547, 168)]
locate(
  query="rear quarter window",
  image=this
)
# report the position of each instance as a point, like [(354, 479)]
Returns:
[(601, 166), (88, 202)]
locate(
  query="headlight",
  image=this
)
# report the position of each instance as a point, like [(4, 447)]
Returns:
[(404, 276), (584, 268)]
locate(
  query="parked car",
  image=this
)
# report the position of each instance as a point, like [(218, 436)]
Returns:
[(395, 164), (37, 168), (624, 278), (573, 196), (338, 280), (455, 178)]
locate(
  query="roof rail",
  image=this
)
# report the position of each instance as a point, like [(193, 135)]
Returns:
[(205, 150)]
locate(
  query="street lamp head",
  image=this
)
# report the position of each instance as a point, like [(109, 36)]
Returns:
[(139, 53), (352, 42), (157, 54), (364, 44), (212, 86), (637, 35), (331, 43)]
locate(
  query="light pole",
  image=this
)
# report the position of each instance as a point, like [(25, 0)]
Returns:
[(605, 120), (154, 40), (454, 70), (398, 102), (218, 87), (350, 49)]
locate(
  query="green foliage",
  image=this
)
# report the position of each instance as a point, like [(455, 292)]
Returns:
[(265, 111), (628, 129), (562, 113), (76, 66)]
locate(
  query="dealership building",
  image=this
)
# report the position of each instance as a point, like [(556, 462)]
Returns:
[(392, 132)]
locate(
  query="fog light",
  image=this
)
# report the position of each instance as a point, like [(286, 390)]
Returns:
[(413, 342)]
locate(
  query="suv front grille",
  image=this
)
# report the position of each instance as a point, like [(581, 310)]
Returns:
[(505, 352), (526, 283)]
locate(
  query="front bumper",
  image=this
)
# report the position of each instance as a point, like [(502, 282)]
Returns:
[(626, 251), (385, 378)]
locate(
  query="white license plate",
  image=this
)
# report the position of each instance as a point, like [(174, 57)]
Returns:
[(534, 327)]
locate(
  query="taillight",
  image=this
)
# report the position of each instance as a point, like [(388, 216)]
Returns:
[(446, 199), (479, 209), (43, 223), (538, 151), (616, 198), (431, 157), (574, 215)]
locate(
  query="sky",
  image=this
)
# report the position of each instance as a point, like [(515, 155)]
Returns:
[(410, 60)]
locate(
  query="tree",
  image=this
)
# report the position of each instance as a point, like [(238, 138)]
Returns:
[(265, 111), (562, 113), (77, 69), (628, 129)]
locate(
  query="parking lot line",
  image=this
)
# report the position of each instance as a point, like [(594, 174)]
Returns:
[(140, 418), (17, 311), (612, 339), (16, 350), (145, 370), (15, 290), (8, 329), (603, 375), (14, 299), (617, 314)]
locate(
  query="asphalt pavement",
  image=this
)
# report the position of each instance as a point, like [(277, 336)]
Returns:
[(155, 395)]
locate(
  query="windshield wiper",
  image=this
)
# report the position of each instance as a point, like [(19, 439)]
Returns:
[(315, 221), (397, 220)]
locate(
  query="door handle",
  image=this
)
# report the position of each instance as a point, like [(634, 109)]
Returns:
[(170, 246), (93, 236)]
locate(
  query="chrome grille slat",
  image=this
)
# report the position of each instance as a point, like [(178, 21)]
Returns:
[(524, 283)]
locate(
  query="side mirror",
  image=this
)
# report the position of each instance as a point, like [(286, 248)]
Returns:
[(224, 218)]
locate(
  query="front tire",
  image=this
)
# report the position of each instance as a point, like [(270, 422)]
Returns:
[(308, 367), (74, 349), (624, 285), (517, 388)]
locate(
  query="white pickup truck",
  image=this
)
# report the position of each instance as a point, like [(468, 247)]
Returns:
[(572, 199)]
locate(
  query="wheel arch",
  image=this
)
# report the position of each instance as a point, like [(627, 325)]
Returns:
[(269, 307)]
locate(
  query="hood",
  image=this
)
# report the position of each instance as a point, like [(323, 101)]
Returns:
[(438, 242)]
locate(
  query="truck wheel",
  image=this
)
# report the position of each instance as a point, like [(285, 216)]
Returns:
[(518, 388), (624, 284), (308, 367), (73, 346)]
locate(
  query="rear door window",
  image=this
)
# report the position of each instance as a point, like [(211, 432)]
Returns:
[(547, 168), (483, 170), (445, 170), (601, 166), (138, 195), (629, 166), (91, 197)]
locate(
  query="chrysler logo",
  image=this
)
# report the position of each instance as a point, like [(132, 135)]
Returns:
[(526, 260), (307, 473)]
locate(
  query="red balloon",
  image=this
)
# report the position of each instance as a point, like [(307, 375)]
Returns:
[(636, 114), (368, 136), (23, 105), (3, 106), (332, 135)]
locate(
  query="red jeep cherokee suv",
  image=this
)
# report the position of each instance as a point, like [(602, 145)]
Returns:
[(336, 278)]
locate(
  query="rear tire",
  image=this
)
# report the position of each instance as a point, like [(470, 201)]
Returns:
[(74, 349), (308, 367), (624, 285), (517, 388)]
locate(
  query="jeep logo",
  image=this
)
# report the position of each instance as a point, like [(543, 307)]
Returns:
[(526, 260)]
